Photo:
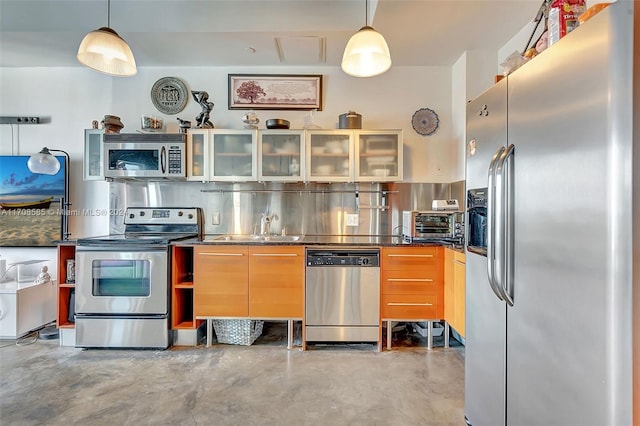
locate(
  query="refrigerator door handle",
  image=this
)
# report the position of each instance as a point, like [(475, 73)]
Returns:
[(504, 225), (491, 217)]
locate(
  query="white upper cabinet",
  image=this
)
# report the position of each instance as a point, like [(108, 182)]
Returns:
[(93, 167), (378, 155), (286, 155), (233, 155), (198, 166), (330, 155), (281, 155)]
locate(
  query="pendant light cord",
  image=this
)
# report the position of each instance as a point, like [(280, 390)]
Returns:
[(108, 13), (366, 13)]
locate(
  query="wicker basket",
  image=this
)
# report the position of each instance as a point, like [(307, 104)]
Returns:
[(237, 332)]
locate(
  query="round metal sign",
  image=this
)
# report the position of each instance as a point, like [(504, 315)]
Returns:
[(169, 95)]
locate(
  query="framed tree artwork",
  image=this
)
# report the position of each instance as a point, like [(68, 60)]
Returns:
[(280, 91)]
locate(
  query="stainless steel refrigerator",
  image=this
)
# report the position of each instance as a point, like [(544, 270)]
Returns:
[(552, 172)]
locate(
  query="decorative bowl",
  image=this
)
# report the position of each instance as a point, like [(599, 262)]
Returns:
[(277, 123)]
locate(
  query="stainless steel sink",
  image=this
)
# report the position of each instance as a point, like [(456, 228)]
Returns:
[(258, 238)]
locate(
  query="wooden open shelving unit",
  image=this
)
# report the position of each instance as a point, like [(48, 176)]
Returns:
[(182, 313), (65, 288)]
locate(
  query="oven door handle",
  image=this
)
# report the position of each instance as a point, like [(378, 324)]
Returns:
[(121, 249), (163, 159)]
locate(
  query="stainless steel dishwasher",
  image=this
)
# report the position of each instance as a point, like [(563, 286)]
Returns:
[(342, 297)]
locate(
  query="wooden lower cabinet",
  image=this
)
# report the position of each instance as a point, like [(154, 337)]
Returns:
[(412, 283), (221, 281), (276, 281), (261, 282), (454, 282)]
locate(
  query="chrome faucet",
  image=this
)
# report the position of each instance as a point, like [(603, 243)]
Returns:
[(265, 221)]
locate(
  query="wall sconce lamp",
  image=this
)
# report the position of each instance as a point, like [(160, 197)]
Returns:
[(105, 51), (45, 163), (367, 53)]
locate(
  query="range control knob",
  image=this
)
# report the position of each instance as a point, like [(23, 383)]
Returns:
[(141, 213), (365, 261), (180, 213), (190, 216), (131, 215)]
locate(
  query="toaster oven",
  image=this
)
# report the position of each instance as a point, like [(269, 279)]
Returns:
[(433, 226)]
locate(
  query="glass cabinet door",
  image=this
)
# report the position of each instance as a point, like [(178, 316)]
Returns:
[(378, 155), (198, 155), (281, 155), (233, 155), (329, 155), (93, 167)]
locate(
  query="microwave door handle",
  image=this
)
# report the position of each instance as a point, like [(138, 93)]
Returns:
[(506, 170), (163, 160), (491, 222)]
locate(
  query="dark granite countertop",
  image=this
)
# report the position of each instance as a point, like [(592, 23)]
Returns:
[(315, 240)]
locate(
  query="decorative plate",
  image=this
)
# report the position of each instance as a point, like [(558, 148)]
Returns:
[(169, 95), (425, 121)]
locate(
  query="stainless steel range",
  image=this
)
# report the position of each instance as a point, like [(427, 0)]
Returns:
[(122, 280)]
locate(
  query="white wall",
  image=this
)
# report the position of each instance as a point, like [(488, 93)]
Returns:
[(385, 102), (68, 99), (472, 74)]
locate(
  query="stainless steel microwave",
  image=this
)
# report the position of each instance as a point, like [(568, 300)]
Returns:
[(144, 155), (432, 226)]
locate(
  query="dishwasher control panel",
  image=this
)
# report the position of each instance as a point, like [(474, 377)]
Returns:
[(362, 258)]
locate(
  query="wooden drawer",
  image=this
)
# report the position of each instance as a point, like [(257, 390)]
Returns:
[(411, 306), (411, 282), (276, 282), (410, 258), (220, 280)]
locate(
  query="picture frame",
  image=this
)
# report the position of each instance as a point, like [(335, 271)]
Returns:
[(275, 91), (31, 204)]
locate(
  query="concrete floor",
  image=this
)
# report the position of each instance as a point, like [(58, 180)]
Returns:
[(263, 384)]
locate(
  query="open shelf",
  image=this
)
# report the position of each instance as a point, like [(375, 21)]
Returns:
[(65, 252), (182, 316)]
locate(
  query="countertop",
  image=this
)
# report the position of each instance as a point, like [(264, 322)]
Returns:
[(317, 240), (324, 240)]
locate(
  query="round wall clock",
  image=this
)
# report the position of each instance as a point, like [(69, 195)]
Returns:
[(425, 121), (169, 95)]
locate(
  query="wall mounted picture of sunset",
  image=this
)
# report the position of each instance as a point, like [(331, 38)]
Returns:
[(30, 204)]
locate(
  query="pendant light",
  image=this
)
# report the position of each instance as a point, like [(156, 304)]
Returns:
[(367, 53), (105, 51)]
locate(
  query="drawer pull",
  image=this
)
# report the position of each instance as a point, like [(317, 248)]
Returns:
[(410, 255), (459, 263), (406, 280), (408, 304), (221, 254), (275, 254)]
